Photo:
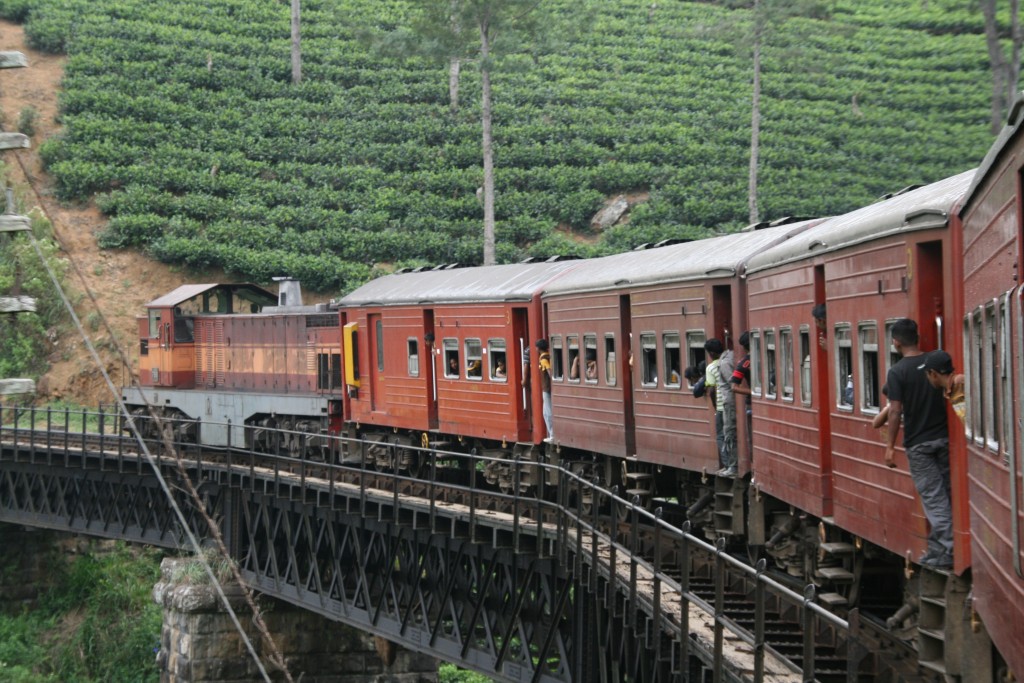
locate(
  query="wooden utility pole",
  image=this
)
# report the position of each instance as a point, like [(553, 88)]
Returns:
[(10, 222)]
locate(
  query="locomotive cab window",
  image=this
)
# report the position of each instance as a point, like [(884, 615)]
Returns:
[(451, 358), (805, 365), (154, 323), (557, 359), (572, 343), (412, 352), (474, 359), (610, 371), (870, 395), (673, 373), (648, 360), (695, 354), (498, 360), (755, 363), (328, 372), (770, 365), (786, 356), (844, 367)]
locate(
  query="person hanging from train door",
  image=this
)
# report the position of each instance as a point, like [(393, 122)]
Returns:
[(740, 384), (544, 365), (819, 313), (719, 389), (925, 438), (938, 368)]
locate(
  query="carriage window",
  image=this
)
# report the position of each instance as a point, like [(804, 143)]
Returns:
[(805, 365), (590, 358), (380, 345), (648, 360), (892, 357), (976, 406), (755, 363), (844, 367), (695, 354), (769, 362), (499, 360), (610, 371), (1005, 381), (989, 379), (474, 359), (969, 374), (572, 343), (451, 358), (412, 352), (870, 396), (786, 354), (672, 369), (557, 359)]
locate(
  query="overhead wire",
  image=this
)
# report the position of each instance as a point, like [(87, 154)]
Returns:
[(274, 652)]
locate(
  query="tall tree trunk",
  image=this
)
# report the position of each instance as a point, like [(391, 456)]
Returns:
[(997, 62), (296, 45), (755, 118), (1016, 38), (485, 115), (454, 67)]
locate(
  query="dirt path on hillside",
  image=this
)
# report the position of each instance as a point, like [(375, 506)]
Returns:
[(120, 282)]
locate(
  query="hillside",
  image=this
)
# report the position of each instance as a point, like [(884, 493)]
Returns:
[(183, 118), (179, 137)]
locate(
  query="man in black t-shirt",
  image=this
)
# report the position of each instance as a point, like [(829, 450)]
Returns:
[(925, 438)]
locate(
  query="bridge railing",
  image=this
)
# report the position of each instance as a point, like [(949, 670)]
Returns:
[(550, 509)]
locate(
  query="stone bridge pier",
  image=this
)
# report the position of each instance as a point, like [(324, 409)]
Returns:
[(200, 644)]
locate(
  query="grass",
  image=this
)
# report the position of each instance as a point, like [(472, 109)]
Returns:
[(98, 622)]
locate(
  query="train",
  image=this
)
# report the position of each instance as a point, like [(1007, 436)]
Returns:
[(445, 358)]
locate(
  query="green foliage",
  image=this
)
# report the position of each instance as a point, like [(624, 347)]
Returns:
[(27, 121), (449, 673), (24, 342), (182, 115), (99, 623)]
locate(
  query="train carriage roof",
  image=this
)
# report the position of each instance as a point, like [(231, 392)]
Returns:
[(512, 282), (918, 209), (1009, 132), (722, 256)]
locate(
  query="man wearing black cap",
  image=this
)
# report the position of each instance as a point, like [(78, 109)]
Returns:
[(938, 368), (925, 439)]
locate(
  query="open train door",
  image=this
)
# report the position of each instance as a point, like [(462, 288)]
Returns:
[(429, 367), (375, 335)]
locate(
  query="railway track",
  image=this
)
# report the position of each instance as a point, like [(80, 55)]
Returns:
[(752, 620)]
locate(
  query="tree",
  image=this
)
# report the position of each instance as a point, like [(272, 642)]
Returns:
[(768, 16), (1005, 72), (480, 31), (296, 45)]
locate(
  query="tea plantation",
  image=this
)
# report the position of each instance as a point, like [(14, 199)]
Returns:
[(181, 117)]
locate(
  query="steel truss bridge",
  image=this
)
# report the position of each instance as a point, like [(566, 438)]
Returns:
[(541, 583)]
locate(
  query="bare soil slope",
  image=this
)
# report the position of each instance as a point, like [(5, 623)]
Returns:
[(120, 282)]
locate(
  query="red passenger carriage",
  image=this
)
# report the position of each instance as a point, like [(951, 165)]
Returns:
[(423, 352), (993, 338), (656, 308), (814, 401)]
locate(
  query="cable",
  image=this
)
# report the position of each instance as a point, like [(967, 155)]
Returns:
[(274, 652)]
